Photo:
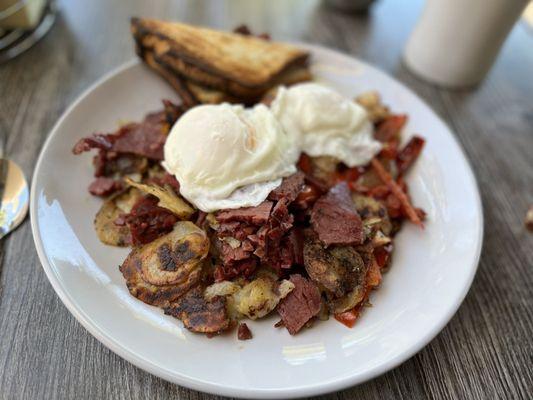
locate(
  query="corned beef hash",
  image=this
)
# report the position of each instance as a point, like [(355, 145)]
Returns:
[(236, 213), (288, 205)]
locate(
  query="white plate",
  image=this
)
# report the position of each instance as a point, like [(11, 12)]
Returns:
[(431, 272)]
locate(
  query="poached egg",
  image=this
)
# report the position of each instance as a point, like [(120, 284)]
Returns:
[(225, 156), (324, 123)]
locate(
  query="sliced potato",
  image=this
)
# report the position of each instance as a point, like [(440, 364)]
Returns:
[(171, 258), (371, 209), (199, 314), (324, 168), (167, 198), (371, 101), (336, 269), (160, 272), (254, 299), (108, 232), (360, 286), (259, 297), (349, 301), (224, 288), (156, 171)]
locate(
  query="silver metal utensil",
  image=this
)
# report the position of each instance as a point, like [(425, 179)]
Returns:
[(15, 196), (14, 192)]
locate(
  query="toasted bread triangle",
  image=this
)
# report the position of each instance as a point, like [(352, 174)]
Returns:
[(187, 98), (246, 60)]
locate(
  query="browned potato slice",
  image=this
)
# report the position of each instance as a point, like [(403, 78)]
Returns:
[(371, 101), (200, 315), (358, 292), (159, 272), (160, 296), (254, 299), (337, 269), (324, 168), (170, 259), (156, 171), (350, 300), (259, 297), (368, 207), (104, 223)]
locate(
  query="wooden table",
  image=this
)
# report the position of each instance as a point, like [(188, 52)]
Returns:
[(485, 352)]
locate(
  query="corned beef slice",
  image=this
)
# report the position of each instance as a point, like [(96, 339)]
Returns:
[(243, 332), (104, 186), (166, 179), (230, 254), (278, 250), (295, 242), (243, 268), (289, 189), (96, 141), (147, 221), (253, 215), (335, 219), (144, 139), (264, 232), (300, 305)]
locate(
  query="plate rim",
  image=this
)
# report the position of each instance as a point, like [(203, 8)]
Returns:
[(216, 389)]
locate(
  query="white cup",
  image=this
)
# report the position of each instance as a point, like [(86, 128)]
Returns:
[(455, 42)]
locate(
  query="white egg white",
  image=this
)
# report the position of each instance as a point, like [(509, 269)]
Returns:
[(226, 156), (323, 122)]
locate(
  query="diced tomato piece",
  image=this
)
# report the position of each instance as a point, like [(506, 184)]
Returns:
[(408, 155), (379, 192), (389, 150), (347, 175), (397, 191), (352, 174), (349, 317), (382, 255), (394, 207), (390, 128), (401, 183), (356, 187), (374, 275)]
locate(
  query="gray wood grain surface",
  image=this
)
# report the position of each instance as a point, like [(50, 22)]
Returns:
[(485, 352)]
